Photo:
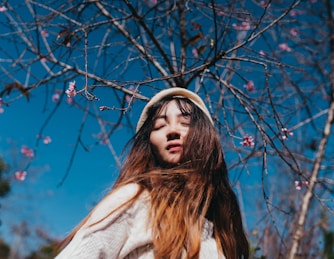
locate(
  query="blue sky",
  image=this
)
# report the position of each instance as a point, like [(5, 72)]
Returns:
[(38, 199)]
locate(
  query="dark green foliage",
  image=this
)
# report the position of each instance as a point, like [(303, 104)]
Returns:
[(328, 244), (44, 252), (4, 250), (4, 183), (4, 187)]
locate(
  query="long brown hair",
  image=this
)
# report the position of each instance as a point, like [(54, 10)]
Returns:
[(183, 196)]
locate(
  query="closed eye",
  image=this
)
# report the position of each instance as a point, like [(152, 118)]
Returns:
[(158, 127), (185, 120), (159, 123)]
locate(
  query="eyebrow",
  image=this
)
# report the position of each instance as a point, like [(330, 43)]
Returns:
[(179, 115)]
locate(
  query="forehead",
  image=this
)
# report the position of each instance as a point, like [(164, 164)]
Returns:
[(179, 106)]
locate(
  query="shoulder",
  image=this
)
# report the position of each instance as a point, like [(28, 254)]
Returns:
[(123, 193), (117, 202)]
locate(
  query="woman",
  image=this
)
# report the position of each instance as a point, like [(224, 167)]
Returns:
[(172, 198)]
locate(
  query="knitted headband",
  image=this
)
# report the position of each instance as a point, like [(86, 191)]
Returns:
[(175, 91)]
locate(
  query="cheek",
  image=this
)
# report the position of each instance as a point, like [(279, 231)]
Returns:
[(155, 147), (154, 141), (185, 133)]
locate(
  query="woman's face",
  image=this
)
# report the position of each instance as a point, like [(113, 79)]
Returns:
[(169, 133)]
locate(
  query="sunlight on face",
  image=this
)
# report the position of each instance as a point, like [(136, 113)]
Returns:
[(170, 130)]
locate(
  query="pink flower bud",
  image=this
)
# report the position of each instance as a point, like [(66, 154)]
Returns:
[(249, 86), (45, 33), (47, 140), (284, 47), (300, 184), (71, 91), (55, 97), (248, 141), (28, 152), (20, 175)]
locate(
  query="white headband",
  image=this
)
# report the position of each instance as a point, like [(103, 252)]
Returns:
[(175, 91)]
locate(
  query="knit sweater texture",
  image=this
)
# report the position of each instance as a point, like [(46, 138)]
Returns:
[(125, 232)]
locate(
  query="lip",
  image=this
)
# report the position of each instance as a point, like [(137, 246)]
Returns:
[(174, 147)]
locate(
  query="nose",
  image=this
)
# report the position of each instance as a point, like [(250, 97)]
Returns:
[(173, 132)]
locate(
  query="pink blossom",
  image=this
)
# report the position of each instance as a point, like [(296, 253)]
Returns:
[(71, 91), (284, 47), (43, 60), (28, 152), (20, 175), (102, 108), (72, 86), (3, 9), (294, 32), (300, 184), (195, 52), (47, 140), (286, 133), (45, 33), (69, 100), (248, 141), (244, 26), (104, 141), (55, 97), (249, 86), (264, 4), (262, 53), (294, 13)]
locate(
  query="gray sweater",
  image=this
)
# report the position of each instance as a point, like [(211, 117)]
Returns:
[(124, 233)]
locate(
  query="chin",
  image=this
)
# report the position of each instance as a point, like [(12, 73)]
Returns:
[(170, 163)]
